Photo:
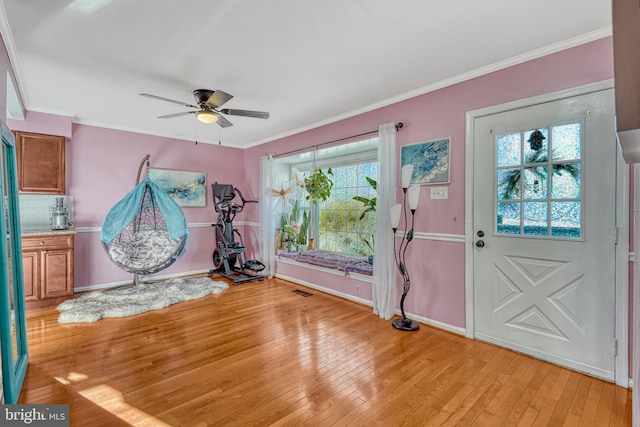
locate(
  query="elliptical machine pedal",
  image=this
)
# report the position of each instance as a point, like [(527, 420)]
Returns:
[(254, 265)]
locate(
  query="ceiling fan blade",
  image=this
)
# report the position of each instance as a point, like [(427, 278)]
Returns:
[(222, 122), (170, 116), (218, 98), (246, 113), (148, 95)]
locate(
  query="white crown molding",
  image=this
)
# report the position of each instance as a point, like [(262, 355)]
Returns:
[(5, 29), (478, 72), (72, 116)]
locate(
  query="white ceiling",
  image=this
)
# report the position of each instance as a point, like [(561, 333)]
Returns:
[(306, 62)]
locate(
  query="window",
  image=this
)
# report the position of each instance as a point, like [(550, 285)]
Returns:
[(340, 227), (339, 224), (539, 186)]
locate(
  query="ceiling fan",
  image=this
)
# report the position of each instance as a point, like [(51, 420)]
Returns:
[(208, 107)]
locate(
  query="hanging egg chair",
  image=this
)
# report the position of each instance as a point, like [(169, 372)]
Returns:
[(146, 231)]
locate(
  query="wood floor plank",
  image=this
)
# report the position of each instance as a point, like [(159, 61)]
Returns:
[(259, 354), (591, 405), (528, 418)]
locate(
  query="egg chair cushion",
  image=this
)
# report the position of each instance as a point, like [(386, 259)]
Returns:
[(146, 250)]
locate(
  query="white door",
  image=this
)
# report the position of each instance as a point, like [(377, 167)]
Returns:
[(544, 209)]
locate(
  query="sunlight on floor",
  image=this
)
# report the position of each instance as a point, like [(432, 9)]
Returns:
[(73, 377), (111, 400)]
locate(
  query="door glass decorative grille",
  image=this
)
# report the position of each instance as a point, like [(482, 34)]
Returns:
[(538, 191)]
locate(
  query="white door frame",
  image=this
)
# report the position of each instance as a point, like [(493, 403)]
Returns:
[(622, 222)]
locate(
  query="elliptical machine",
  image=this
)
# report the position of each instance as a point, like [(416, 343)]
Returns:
[(229, 259)]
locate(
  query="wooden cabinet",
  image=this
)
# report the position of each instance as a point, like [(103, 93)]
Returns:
[(41, 163), (30, 273), (47, 264)]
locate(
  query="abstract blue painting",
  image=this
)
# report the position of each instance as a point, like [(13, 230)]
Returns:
[(188, 189), (430, 161)]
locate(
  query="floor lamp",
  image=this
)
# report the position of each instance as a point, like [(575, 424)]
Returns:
[(411, 194)]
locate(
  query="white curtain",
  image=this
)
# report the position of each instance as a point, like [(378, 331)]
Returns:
[(267, 216), (385, 294)]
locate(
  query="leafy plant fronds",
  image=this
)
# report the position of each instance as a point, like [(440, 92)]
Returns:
[(318, 185)]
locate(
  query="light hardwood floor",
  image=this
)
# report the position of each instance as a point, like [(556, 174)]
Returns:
[(259, 354)]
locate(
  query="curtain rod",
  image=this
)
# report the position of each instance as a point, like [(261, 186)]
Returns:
[(315, 146)]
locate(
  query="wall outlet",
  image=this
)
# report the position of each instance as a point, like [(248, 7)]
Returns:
[(439, 192), (357, 289)]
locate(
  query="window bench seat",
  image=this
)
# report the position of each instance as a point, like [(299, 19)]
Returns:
[(346, 263)]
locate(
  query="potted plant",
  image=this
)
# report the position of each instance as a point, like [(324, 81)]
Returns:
[(318, 185)]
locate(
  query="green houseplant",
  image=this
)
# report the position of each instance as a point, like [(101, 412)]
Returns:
[(318, 185), (304, 229), (369, 206)]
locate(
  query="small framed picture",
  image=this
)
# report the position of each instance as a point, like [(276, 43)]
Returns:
[(430, 161)]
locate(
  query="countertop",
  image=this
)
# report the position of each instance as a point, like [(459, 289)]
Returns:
[(46, 232)]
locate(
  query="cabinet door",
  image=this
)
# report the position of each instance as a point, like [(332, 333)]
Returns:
[(57, 273), (41, 163), (30, 275)]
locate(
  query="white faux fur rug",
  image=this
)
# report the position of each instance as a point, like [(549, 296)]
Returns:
[(97, 305)]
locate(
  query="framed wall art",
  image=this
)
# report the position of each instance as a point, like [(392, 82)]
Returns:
[(430, 161), (187, 188)]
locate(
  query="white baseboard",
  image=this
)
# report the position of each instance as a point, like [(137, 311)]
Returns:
[(430, 322), (142, 279), (325, 290)]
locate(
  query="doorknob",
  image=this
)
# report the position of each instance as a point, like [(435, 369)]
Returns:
[(480, 243)]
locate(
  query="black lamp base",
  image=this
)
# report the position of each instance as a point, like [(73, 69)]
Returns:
[(405, 324)]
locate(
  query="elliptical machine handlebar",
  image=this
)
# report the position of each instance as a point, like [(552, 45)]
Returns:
[(223, 201), (244, 201)]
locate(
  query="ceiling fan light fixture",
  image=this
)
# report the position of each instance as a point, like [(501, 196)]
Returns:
[(206, 116)]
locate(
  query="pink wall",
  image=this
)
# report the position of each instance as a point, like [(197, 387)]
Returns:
[(437, 267), (102, 165), (102, 168), (50, 124)]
